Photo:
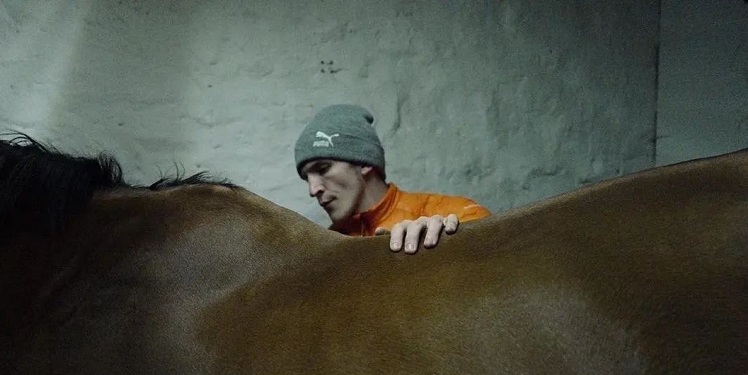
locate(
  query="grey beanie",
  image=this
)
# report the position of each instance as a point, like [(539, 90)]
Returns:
[(341, 132)]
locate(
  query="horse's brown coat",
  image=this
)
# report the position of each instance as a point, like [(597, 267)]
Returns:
[(646, 273)]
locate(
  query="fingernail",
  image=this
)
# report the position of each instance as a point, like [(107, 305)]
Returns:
[(428, 241), (410, 247), (395, 245)]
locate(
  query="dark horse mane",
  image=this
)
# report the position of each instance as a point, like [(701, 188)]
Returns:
[(44, 187)]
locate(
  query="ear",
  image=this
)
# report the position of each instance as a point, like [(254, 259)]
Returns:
[(367, 170)]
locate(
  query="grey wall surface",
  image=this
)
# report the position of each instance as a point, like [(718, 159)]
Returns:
[(506, 102), (703, 79)]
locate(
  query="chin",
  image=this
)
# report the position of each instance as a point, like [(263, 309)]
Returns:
[(338, 217)]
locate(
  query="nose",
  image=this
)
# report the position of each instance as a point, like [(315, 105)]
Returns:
[(316, 188)]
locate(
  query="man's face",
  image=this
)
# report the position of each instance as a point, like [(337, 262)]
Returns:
[(338, 186)]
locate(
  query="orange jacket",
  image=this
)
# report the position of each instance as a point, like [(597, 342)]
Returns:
[(398, 205)]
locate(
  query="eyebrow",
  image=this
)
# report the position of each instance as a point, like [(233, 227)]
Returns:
[(313, 166), (316, 166)]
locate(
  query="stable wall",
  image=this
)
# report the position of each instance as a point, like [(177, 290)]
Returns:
[(703, 79), (506, 102)]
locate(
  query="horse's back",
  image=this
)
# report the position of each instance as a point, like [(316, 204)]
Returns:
[(644, 274)]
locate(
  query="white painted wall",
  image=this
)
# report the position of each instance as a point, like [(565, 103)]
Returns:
[(703, 79), (503, 101)]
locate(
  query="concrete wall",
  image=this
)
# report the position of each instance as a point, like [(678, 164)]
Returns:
[(504, 101), (703, 79)]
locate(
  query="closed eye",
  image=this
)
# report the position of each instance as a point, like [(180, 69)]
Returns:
[(319, 168)]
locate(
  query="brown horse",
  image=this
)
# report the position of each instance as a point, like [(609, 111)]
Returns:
[(646, 273)]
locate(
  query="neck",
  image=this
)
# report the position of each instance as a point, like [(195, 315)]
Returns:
[(375, 191)]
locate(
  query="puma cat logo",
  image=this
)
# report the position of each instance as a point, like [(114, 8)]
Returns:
[(326, 142)]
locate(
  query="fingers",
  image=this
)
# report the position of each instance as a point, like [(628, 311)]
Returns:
[(433, 229), (397, 235), (451, 223), (413, 234), (407, 233)]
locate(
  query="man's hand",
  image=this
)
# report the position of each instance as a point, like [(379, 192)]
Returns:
[(410, 231)]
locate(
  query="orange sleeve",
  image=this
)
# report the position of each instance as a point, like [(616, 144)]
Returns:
[(465, 209), (472, 212), (411, 206)]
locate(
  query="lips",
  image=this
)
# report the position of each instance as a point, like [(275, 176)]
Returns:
[(326, 203)]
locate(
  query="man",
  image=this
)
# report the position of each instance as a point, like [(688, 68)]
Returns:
[(341, 157)]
